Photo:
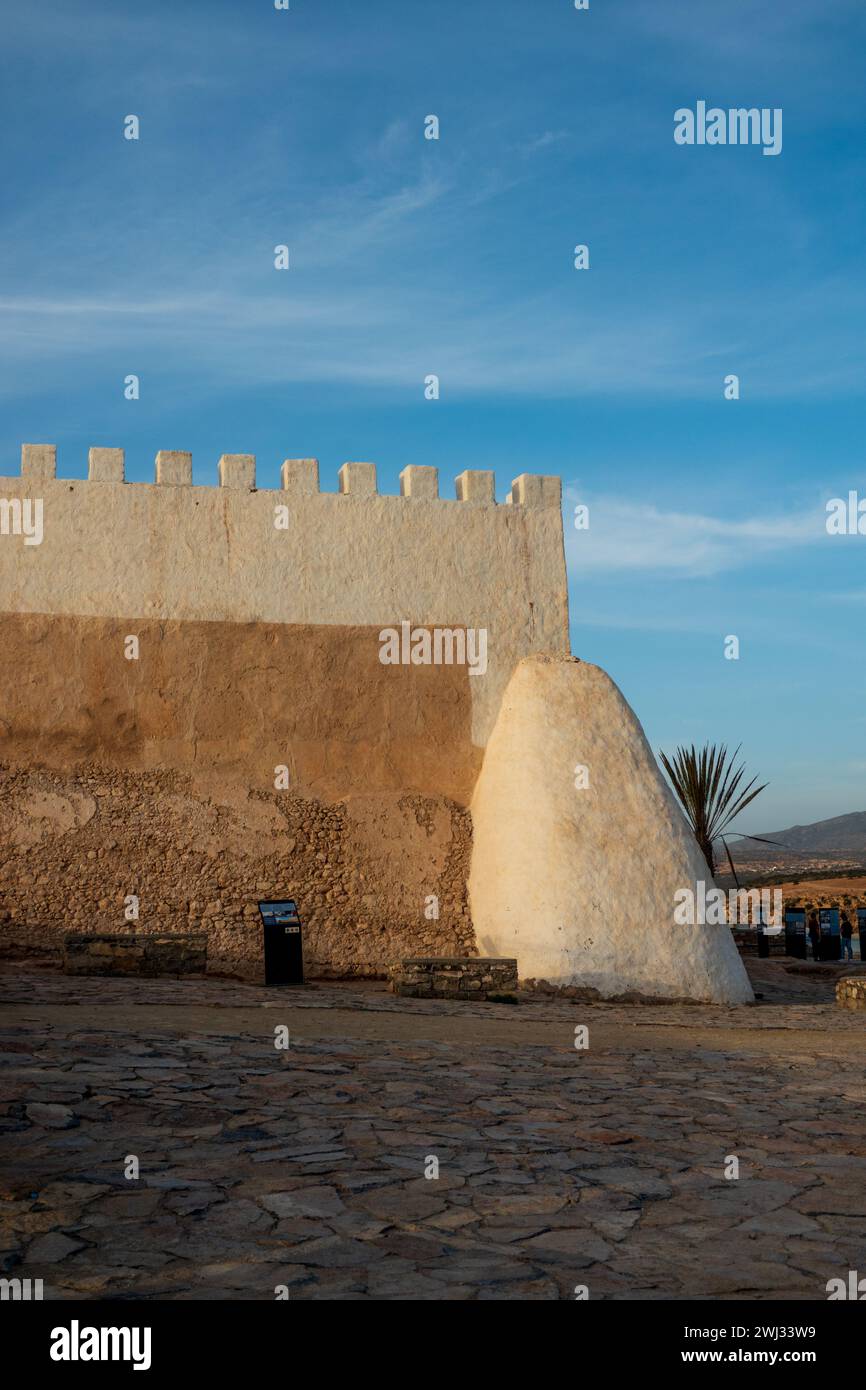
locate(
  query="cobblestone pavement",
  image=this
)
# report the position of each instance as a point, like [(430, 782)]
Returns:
[(305, 1168)]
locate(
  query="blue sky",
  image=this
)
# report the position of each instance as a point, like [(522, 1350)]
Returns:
[(455, 257)]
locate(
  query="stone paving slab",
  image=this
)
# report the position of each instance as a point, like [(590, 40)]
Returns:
[(310, 1170)]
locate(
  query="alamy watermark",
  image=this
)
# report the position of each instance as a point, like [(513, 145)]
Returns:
[(699, 907), (738, 126), (20, 1290), (846, 517), (438, 646), (22, 516), (854, 1289), (77, 1343)]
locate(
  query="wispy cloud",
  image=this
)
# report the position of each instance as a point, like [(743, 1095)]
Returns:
[(628, 535), (542, 142)]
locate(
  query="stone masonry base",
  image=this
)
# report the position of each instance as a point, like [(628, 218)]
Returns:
[(163, 954), (851, 992), (454, 977)]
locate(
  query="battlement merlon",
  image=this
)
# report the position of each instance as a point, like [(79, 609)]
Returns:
[(300, 477)]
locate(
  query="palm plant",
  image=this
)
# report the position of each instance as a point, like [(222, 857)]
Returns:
[(709, 790)]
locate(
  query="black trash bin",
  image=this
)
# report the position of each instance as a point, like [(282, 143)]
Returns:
[(284, 946), (763, 942)]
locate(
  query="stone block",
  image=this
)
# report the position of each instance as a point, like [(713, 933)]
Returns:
[(419, 482), (453, 977), (162, 953), (238, 471), (38, 462), (106, 465), (174, 468), (475, 485), (358, 479), (851, 992), (536, 490), (300, 476)]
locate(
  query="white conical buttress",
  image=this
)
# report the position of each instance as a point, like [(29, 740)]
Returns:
[(580, 882)]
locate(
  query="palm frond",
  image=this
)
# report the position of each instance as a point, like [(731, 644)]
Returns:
[(709, 788)]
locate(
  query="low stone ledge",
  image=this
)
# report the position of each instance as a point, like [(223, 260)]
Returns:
[(851, 992), (163, 953), (454, 977)]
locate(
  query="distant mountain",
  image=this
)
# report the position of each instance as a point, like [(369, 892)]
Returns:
[(838, 835)]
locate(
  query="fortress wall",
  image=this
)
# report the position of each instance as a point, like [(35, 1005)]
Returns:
[(258, 647), (175, 552)]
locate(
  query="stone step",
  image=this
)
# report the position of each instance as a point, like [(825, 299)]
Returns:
[(454, 977)]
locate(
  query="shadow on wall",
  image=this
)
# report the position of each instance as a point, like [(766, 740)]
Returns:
[(239, 699)]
